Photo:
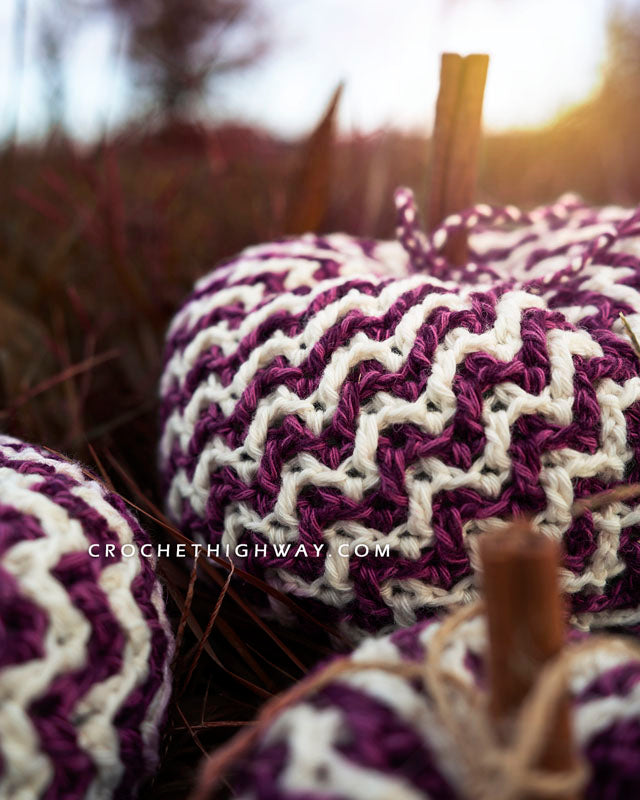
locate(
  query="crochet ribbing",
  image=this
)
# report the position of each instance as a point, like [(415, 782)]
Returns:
[(85, 645), (334, 391)]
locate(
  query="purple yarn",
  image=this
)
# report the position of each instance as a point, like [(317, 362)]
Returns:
[(85, 645), (329, 391), (372, 735)]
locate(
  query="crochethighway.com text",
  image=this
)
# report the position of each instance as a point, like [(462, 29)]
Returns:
[(288, 549)]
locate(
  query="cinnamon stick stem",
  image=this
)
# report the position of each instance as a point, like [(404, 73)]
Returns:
[(525, 616), (456, 141), (451, 67)]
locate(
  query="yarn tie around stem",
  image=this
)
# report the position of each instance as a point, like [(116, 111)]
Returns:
[(491, 770), (426, 250)]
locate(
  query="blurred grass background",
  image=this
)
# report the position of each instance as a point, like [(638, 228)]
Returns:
[(100, 241)]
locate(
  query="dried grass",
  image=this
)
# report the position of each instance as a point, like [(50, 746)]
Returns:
[(98, 247)]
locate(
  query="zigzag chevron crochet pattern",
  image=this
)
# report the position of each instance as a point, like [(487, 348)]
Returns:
[(344, 395), (373, 735), (85, 645)]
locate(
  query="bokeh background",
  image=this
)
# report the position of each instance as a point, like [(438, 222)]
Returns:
[(143, 140)]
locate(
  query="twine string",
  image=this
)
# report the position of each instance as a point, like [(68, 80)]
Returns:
[(492, 770), (426, 250)]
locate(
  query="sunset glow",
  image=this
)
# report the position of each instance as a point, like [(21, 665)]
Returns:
[(545, 55)]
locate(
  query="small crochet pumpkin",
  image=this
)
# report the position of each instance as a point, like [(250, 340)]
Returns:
[(84, 641), (370, 734), (345, 416)]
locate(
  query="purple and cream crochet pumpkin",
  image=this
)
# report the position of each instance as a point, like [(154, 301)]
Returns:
[(84, 641), (373, 735), (345, 416)]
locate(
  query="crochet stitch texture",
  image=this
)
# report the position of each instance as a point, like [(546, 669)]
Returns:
[(340, 391), (85, 645), (373, 735)]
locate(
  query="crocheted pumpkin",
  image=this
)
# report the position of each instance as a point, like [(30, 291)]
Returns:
[(84, 641), (365, 410), (373, 735)]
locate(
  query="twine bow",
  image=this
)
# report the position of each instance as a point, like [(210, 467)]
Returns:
[(426, 250), (491, 769)]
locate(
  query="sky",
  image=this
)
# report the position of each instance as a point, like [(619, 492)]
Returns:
[(545, 55)]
